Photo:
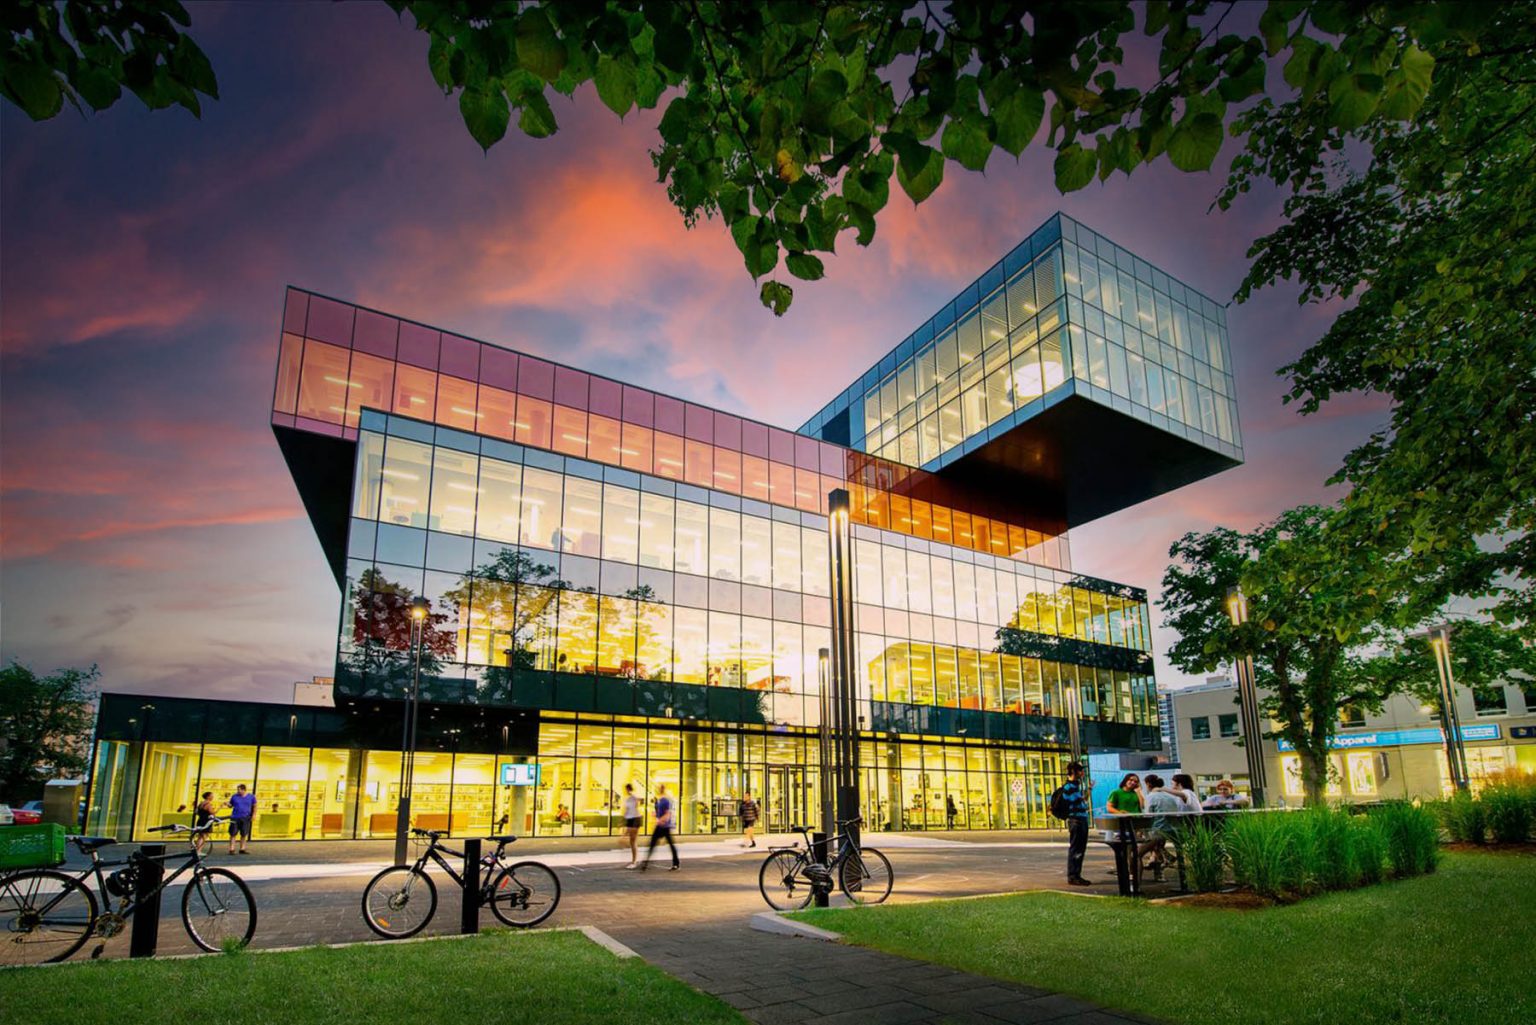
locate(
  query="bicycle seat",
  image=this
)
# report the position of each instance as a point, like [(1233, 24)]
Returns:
[(91, 843), (501, 839)]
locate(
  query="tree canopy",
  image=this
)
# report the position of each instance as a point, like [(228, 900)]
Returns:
[(45, 728)]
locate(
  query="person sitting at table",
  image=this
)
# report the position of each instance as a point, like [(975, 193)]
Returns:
[(1226, 798), (1158, 801), (562, 814), (1126, 798), (1183, 787)]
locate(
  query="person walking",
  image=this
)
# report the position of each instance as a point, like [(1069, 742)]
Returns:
[(1075, 794), (950, 811), (663, 830), (200, 817), (749, 812), (632, 820), (242, 809)]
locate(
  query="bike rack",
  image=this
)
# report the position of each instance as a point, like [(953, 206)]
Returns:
[(820, 854), (144, 934), (469, 908)]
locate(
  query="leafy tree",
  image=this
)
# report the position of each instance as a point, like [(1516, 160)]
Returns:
[(45, 727), (1484, 657), (90, 50), (382, 632)]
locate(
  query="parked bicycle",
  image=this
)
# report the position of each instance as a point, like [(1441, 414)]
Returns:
[(791, 876), (47, 914), (401, 900)]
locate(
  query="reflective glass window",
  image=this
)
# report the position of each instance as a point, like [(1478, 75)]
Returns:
[(453, 491), (621, 524)]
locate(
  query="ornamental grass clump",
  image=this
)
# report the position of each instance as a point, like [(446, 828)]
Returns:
[(1205, 857), (1327, 849), (1413, 837), (1465, 818), (1370, 845), (1265, 852), (1510, 805)]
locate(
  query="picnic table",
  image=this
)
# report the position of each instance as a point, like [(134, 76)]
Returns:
[(1120, 834)]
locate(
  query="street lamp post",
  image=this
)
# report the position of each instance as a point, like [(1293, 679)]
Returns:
[(824, 741), (1248, 703), (1450, 720), (419, 608), (845, 741)]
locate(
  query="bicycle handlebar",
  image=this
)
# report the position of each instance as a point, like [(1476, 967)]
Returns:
[(177, 827)]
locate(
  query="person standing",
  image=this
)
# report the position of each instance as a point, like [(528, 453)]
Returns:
[(1075, 793), (665, 809), (950, 811), (201, 816), (242, 809), (632, 821), (749, 812)]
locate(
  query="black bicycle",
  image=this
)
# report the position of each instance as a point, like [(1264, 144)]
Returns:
[(402, 899), (47, 915), (791, 876)]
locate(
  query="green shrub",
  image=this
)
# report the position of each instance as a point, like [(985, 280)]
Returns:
[(1413, 837), (1465, 818), (1370, 843), (1205, 857), (1329, 861), (1265, 852), (1508, 810)]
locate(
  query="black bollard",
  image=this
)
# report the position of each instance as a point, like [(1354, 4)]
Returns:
[(144, 936), (819, 855), (469, 910)]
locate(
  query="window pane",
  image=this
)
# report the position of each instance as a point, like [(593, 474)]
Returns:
[(542, 505), (656, 530), (692, 538), (406, 475), (453, 491), (724, 544), (323, 385), (580, 527), (500, 500), (621, 524), (756, 550)]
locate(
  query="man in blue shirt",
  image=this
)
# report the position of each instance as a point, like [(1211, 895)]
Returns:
[(1075, 793), (242, 808)]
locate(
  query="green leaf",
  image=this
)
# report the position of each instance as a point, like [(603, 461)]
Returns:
[(827, 87), (805, 266), (1075, 167), (1195, 142), (1407, 86), (1017, 118), (439, 61), (759, 249), (615, 84), (33, 87), (485, 115), (537, 120), (97, 86), (539, 49), (1353, 98), (776, 297), (966, 140), (919, 168), (863, 220)]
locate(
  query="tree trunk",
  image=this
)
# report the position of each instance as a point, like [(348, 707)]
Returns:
[(1314, 775)]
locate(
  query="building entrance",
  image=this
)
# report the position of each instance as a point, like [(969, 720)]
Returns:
[(787, 803)]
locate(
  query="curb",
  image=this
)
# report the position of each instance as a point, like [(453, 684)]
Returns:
[(774, 922)]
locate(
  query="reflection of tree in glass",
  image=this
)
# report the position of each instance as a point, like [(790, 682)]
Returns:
[(517, 598), (382, 626)]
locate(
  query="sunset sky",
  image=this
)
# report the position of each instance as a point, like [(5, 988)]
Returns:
[(149, 524)]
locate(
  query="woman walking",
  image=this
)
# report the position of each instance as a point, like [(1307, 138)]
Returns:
[(632, 824), (749, 812)]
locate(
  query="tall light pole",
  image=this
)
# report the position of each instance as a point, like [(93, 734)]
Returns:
[(1248, 703), (419, 609), (824, 741), (845, 741), (1450, 720)]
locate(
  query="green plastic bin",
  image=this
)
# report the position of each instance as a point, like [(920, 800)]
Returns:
[(31, 846)]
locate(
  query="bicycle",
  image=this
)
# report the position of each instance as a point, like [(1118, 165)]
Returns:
[(47, 914), (791, 876), (401, 900)]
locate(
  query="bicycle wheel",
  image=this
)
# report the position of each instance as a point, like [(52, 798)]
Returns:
[(217, 908), (399, 902), (525, 894), (866, 876), (783, 881), (44, 916)]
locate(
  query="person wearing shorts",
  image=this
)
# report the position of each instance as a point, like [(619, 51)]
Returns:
[(242, 809), (632, 820)]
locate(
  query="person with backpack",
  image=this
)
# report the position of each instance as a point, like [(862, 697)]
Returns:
[(1069, 803)]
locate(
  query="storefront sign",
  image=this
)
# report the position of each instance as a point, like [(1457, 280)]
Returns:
[(1399, 738), (1523, 732), (515, 774)]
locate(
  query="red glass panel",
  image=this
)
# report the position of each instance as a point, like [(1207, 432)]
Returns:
[(604, 440), (781, 446), (700, 423), (754, 439), (834, 460), (669, 453), (460, 357), (728, 470), (329, 321), (370, 385), (571, 388), (323, 382), (728, 431), (639, 406), (415, 392), (307, 425), (606, 397), (698, 464), (754, 477), (295, 310), (289, 357), (807, 485), (570, 431), (781, 484), (636, 453), (535, 377), (807, 453), (418, 345), (498, 412), (669, 415), (535, 419), (456, 403), (498, 368), (375, 333)]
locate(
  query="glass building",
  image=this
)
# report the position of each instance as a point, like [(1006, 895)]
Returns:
[(626, 588)]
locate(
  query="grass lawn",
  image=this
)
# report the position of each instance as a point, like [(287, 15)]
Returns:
[(551, 978), (1454, 946)]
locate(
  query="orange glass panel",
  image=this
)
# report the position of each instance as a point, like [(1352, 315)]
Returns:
[(754, 478), (570, 431), (877, 508), (728, 470), (323, 383), (669, 456), (415, 391), (964, 536), (922, 518), (498, 412), (941, 525), (981, 532), (288, 373), (456, 403), (781, 484), (829, 485), (603, 442), (697, 463), (999, 544), (807, 485), (637, 445), (535, 418), (371, 384), (901, 514), (1017, 539)]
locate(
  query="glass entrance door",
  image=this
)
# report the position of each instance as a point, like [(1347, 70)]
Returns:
[(786, 803)]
